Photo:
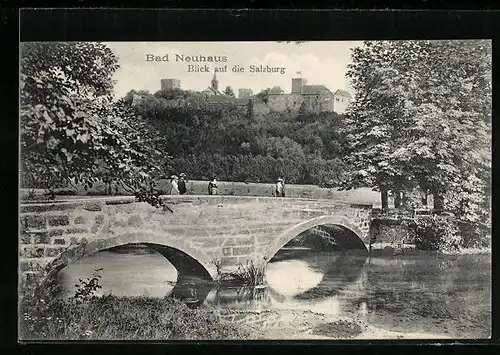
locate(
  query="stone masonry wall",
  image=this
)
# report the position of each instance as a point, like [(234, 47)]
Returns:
[(217, 231)]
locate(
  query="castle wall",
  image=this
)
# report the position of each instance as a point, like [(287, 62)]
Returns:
[(285, 101), (319, 103)]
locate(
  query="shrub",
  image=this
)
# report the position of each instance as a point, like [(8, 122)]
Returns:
[(436, 233), (474, 235), (250, 273)]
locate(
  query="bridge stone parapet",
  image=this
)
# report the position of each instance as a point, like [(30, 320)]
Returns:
[(218, 232)]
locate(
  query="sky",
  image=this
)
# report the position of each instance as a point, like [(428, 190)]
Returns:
[(319, 62)]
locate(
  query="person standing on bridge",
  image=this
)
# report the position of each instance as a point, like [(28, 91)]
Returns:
[(175, 187), (182, 184), (212, 187), (280, 188)]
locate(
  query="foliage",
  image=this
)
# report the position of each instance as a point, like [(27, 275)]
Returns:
[(436, 233), (71, 129), (421, 118), (263, 95), (87, 289), (204, 140), (251, 273), (338, 329), (229, 91), (474, 235)]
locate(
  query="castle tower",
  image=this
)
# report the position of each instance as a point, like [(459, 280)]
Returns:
[(170, 84), (215, 83), (298, 85)]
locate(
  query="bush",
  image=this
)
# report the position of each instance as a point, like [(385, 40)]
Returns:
[(436, 233), (251, 274), (474, 235)]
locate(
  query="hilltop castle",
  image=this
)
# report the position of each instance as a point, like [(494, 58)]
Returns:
[(312, 98)]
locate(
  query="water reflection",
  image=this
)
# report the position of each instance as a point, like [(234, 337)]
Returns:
[(124, 274)]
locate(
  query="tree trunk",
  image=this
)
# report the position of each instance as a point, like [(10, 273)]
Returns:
[(384, 199)]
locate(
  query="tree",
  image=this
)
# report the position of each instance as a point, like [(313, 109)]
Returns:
[(263, 95), (229, 91), (71, 130), (250, 109), (422, 116)]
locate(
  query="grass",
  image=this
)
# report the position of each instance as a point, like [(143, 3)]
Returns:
[(251, 273), (339, 329), (119, 318), (88, 317)]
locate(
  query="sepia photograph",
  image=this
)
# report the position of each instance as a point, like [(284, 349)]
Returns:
[(277, 190)]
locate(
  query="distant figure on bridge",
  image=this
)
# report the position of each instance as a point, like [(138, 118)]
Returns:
[(212, 187), (280, 188), (182, 184), (175, 187)]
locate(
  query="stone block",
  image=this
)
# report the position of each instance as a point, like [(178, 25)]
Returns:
[(62, 220), (99, 219), (227, 251), (59, 241), (41, 238), (242, 250), (25, 238), (80, 220), (24, 265), (29, 265), (53, 251), (47, 207), (30, 277), (56, 232), (33, 252), (92, 206), (75, 231), (35, 221), (239, 241)]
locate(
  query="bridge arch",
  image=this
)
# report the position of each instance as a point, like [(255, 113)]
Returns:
[(86, 249), (294, 231)]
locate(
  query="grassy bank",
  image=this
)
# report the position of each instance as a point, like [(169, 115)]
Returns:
[(85, 316), (118, 318)]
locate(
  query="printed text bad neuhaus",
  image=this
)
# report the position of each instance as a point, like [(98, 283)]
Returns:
[(186, 58)]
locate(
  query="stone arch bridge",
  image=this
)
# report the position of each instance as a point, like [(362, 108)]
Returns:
[(211, 234)]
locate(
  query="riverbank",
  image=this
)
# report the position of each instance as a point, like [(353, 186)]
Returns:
[(123, 318), (289, 324), (143, 318)]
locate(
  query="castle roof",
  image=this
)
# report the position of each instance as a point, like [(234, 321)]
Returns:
[(315, 90), (223, 99), (213, 91), (275, 90), (343, 93)]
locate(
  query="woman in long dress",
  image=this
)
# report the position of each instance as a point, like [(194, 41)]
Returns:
[(280, 188), (175, 187), (212, 187)]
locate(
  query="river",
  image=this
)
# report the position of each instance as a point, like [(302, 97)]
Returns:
[(446, 295)]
